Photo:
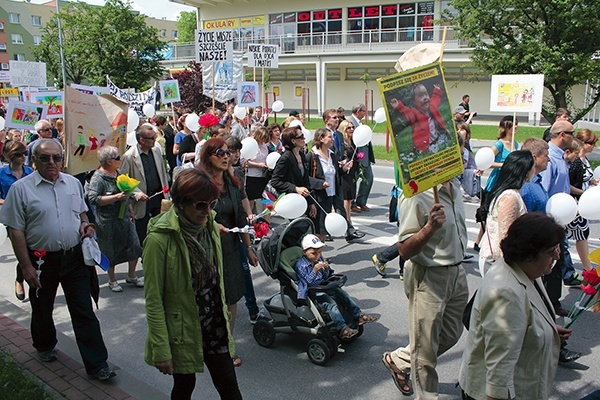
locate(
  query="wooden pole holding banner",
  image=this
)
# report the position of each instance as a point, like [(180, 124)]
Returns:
[(514, 129), (213, 84), (436, 198)]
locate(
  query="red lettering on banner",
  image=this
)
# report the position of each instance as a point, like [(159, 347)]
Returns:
[(372, 11), (354, 12), (335, 13), (304, 16), (389, 10), (318, 15)]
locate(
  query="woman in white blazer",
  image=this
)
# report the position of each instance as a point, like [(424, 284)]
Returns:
[(513, 345)]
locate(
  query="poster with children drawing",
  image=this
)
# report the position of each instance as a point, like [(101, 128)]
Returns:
[(248, 95), (420, 119), (517, 93), (23, 115), (54, 100), (169, 91)]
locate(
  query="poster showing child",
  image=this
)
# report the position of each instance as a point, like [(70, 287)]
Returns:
[(23, 115), (420, 118), (54, 100)]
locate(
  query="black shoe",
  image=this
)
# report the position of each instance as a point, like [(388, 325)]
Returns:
[(259, 317), (567, 356), (47, 356), (354, 235), (104, 374), (328, 238), (19, 290), (476, 247), (573, 281)]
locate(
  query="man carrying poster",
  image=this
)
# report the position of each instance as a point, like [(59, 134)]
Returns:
[(420, 117)]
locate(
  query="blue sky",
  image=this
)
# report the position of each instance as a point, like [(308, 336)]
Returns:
[(153, 8)]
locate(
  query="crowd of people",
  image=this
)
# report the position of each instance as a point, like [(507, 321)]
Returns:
[(196, 250)]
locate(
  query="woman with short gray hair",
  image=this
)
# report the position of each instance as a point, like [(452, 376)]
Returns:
[(116, 236)]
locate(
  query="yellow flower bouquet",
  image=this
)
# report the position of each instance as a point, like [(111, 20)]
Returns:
[(126, 185)]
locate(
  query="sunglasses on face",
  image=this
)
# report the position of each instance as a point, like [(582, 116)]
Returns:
[(23, 154), (299, 137), (45, 129), (203, 205), (116, 158), (222, 153), (45, 158), (150, 138)]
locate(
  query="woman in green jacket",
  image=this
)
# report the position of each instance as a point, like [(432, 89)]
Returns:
[(185, 299)]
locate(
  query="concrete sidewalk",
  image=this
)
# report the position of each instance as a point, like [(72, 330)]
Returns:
[(65, 377)]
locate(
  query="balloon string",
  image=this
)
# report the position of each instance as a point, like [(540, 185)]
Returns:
[(317, 203)]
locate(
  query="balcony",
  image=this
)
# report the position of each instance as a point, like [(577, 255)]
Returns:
[(380, 40)]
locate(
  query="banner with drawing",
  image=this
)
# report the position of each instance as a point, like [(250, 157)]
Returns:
[(226, 76), (248, 94), (54, 101), (517, 93), (420, 119), (136, 101), (23, 115), (169, 91), (92, 122)]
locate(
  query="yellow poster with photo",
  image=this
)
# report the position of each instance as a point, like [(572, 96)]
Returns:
[(424, 136)]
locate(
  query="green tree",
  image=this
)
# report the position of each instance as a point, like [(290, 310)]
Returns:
[(187, 22), (98, 41), (557, 38)]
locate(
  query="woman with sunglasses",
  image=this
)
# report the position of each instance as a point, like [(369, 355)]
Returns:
[(15, 152), (117, 237), (185, 296), (291, 173), (214, 159), (513, 344)]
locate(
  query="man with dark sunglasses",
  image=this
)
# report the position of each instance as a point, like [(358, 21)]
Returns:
[(144, 162), (44, 131), (48, 248)]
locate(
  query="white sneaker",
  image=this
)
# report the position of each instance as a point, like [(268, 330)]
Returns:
[(115, 287), (138, 282)]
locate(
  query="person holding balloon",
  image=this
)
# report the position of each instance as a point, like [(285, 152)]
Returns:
[(230, 214), (291, 173)]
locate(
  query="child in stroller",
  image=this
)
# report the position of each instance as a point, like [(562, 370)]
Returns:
[(312, 270)]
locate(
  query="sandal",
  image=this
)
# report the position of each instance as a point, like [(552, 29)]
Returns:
[(347, 333), (401, 378), (236, 360), (365, 319)]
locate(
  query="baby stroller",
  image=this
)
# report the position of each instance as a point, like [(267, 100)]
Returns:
[(278, 253)]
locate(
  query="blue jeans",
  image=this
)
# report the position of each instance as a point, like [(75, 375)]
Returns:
[(364, 189), (249, 296), (331, 298)]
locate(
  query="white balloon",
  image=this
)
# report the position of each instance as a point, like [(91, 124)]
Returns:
[(3, 234), (133, 120), (249, 148), (239, 112), (484, 158), (2, 123), (335, 224), (191, 121), (562, 207), (272, 159), (379, 115), (149, 110), (277, 106), (597, 172), (131, 140), (308, 136), (589, 203), (362, 135), (291, 206)]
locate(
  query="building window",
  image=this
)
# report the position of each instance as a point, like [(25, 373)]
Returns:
[(174, 34), (37, 40), (2, 47), (17, 38), (1, 27), (36, 20), (14, 18), (5, 66), (19, 57), (163, 32)]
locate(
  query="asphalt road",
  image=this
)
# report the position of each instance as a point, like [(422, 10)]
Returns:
[(284, 371)]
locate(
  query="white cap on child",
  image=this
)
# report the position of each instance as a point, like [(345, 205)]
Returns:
[(310, 241)]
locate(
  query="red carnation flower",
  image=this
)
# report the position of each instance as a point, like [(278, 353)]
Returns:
[(591, 277), (588, 289), (207, 120), (41, 253), (269, 206)]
